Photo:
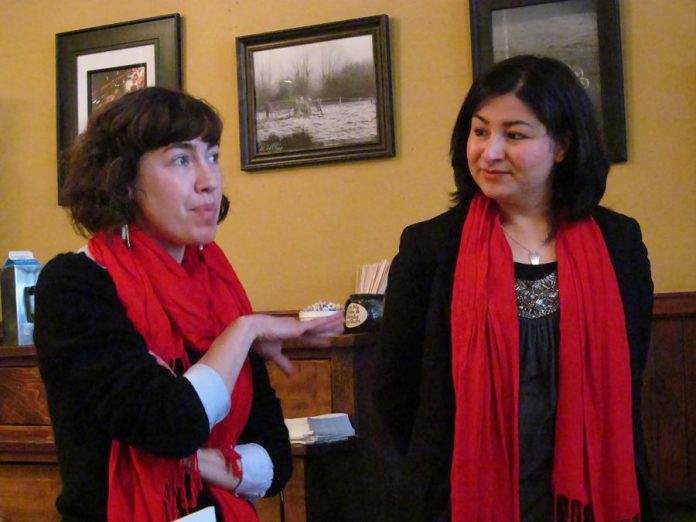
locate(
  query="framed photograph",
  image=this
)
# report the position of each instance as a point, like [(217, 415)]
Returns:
[(100, 64), (315, 94), (585, 34)]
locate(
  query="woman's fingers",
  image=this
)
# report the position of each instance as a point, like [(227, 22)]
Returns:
[(271, 331), (270, 328), (324, 325), (282, 362), (272, 351)]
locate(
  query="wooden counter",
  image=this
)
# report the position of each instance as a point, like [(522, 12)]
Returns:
[(338, 378), (334, 378)]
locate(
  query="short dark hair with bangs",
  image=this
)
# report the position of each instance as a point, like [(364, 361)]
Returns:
[(103, 162), (553, 93)]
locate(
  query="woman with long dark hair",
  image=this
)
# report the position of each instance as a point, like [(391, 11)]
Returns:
[(517, 324)]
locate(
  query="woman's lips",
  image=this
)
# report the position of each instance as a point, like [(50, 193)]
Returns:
[(493, 173), (207, 211)]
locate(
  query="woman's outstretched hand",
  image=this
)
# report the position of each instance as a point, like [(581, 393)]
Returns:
[(272, 331), (264, 334)]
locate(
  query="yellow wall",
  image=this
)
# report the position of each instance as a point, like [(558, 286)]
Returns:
[(296, 235)]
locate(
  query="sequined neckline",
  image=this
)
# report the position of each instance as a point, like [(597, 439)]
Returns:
[(537, 298)]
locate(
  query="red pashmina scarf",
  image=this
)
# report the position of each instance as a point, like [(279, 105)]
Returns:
[(174, 306), (593, 461)]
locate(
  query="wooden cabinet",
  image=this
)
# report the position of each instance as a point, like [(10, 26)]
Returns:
[(669, 401), (346, 481), (350, 481), (333, 378), (29, 481)]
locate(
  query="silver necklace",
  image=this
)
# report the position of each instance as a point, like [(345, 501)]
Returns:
[(532, 254)]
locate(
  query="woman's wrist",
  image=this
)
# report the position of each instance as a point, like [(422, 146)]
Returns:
[(249, 326)]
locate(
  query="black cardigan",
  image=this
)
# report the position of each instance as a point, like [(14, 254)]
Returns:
[(415, 395), (102, 384)]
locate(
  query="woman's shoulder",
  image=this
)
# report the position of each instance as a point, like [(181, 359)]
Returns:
[(606, 215), (437, 229), (613, 224), (70, 261), (446, 220), (71, 267)]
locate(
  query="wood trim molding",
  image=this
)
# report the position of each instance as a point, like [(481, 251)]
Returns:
[(677, 304)]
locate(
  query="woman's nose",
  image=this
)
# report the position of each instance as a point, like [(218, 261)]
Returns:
[(494, 148), (206, 177)]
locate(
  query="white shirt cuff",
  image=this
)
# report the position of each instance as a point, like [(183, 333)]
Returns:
[(211, 391), (257, 471)]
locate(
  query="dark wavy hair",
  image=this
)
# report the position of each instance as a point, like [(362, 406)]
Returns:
[(556, 97), (103, 162)]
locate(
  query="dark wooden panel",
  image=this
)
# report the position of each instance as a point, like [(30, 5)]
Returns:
[(307, 391), (677, 304), (690, 366), (28, 492), (22, 397), (343, 384), (664, 407), (295, 500), (669, 393), (27, 444), (14, 356), (268, 509)]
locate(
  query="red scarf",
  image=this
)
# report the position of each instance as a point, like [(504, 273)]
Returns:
[(174, 306), (593, 462)]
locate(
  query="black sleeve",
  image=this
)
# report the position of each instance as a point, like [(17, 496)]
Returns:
[(401, 341), (96, 365), (266, 426), (637, 285), (629, 257), (426, 473)]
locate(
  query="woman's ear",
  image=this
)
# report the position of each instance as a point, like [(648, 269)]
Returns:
[(561, 148)]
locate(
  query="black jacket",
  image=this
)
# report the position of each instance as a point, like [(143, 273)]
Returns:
[(102, 384), (415, 395)]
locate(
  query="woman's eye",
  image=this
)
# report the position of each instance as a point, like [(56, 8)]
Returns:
[(516, 135), (478, 132), (180, 161), (214, 158)]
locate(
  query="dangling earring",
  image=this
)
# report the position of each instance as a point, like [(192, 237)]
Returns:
[(125, 235)]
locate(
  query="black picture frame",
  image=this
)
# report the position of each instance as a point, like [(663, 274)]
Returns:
[(585, 34), (149, 44), (298, 89)]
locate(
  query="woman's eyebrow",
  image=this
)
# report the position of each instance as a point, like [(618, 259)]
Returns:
[(516, 122), (506, 124), (180, 145)]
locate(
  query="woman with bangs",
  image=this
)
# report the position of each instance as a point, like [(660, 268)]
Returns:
[(153, 361)]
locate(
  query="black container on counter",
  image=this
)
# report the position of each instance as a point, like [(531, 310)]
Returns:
[(364, 313)]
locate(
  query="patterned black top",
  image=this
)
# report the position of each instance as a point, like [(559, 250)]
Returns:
[(536, 287)]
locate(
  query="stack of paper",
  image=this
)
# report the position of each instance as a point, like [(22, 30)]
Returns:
[(330, 427), (372, 278), (299, 431)]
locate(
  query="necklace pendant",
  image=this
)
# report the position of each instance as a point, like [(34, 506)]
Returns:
[(534, 257)]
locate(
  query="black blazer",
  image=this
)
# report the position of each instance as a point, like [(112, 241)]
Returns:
[(415, 395)]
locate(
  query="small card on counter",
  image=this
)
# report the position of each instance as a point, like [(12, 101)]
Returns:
[(330, 427)]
